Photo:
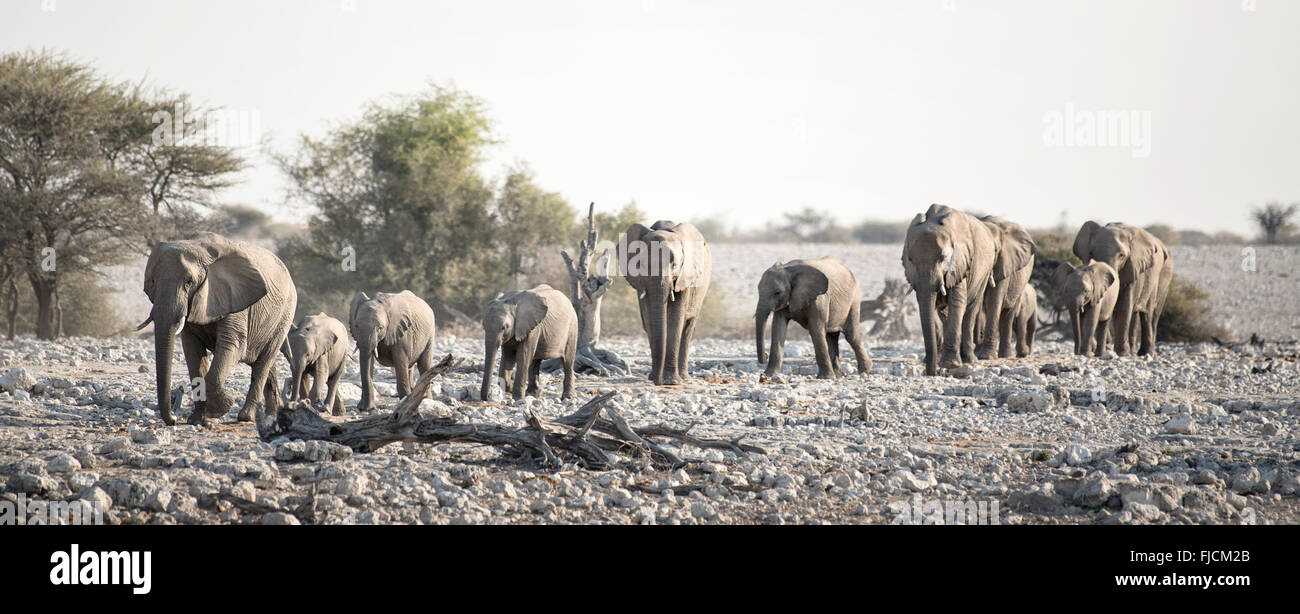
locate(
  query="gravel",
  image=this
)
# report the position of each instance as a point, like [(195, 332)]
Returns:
[(1197, 434)]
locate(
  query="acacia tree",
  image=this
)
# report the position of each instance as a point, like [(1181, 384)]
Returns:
[(66, 205), (1274, 220), (399, 203), (77, 165), (530, 219)]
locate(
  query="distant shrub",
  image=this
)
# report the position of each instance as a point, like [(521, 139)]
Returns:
[(1165, 233), (1187, 314)]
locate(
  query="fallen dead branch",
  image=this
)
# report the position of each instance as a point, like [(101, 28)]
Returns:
[(589, 436)]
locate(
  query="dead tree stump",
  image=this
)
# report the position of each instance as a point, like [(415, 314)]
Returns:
[(586, 289), (589, 436), (890, 311)]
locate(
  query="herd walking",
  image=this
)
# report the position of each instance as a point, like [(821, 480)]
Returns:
[(230, 301)]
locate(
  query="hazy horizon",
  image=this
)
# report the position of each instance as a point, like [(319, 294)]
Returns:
[(745, 110)]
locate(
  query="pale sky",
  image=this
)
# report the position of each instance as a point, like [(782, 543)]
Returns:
[(746, 109)]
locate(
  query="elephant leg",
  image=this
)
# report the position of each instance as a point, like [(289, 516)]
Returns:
[(261, 370), (1100, 337), (683, 355), (817, 330), (853, 334), (567, 360), (402, 372), (833, 349), (950, 358), (969, 333), (217, 402), (1123, 319), (523, 362), (988, 344), (271, 392), (1030, 327), (535, 378), (1006, 322), (319, 379), (507, 369), (196, 364), (332, 398), (676, 320), (425, 361), (776, 355)]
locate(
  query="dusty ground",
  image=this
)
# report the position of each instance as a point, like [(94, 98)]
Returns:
[(1198, 434)]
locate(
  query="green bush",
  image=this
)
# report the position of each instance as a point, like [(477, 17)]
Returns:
[(1186, 316)]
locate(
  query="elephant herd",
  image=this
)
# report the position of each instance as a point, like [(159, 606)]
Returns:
[(230, 301)]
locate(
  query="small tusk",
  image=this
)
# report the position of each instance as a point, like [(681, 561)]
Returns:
[(943, 291), (145, 322), (992, 284), (642, 295)]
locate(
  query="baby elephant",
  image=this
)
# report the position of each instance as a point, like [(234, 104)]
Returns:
[(317, 348), (822, 296), (528, 326), (1024, 322), (397, 331), (1089, 292)]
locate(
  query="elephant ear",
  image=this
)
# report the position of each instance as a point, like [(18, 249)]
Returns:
[(357, 300), (1143, 247), (954, 262), (1083, 240), (919, 219), (634, 234), (400, 320), (687, 272), (1105, 276), (1061, 274), (806, 285), (233, 284), (1017, 248), (530, 310)]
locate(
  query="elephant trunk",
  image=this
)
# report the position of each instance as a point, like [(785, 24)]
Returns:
[(929, 327), (165, 327), (490, 348), (1080, 346), (367, 374), (299, 363), (163, 338), (658, 334), (760, 323)]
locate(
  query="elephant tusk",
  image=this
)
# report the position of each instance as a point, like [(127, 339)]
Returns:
[(642, 295), (992, 284), (145, 322), (943, 291), (672, 295)]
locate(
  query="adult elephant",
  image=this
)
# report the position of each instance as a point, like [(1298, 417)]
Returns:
[(668, 264), (822, 295), (394, 329), (226, 298), (1011, 270), (1145, 270), (948, 257), (527, 327)]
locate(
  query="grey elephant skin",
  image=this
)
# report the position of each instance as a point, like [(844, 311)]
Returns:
[(229, 299), (1011, 270), (1145, 270), (948, 258), (527, 327), (1024, 322), (1089, 292), (317, 350), (821, 295), (669, 265), (397, 331)]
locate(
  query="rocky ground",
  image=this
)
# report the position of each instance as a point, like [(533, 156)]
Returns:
[(1198, 434)]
